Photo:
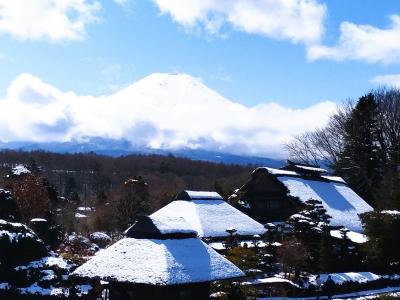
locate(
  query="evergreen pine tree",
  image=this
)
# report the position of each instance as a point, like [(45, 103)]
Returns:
[(361, 160)]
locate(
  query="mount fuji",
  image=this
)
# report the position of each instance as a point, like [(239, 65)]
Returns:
[(162, 113)]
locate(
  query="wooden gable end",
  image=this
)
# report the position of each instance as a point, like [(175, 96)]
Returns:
[(268, 198), (264, 182)]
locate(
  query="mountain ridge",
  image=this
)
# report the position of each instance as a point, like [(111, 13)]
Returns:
[(117, 148)]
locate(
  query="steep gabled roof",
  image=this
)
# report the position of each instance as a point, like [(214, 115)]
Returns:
[(158, 262), (340, 201), (311, 170), (282, 172), (161, 227), (211, 218)]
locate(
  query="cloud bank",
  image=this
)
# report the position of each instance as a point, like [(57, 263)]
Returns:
[(392, 80), (363, 42), (47, 19), (299, 21), (161, 111)]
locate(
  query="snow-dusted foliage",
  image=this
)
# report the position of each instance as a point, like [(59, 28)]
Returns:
[(8, 207), (77, 247), (100, 238), (20, 170), (28, 270), (15, 240)]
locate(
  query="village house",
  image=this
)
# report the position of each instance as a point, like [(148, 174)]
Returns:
[(272, 195), (211, 216), (160, 258)]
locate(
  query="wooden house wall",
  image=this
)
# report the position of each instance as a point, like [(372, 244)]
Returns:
[(268, 199), (197, 291)]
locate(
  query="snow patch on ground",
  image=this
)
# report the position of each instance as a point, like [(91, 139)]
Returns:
[(270, 280), (355, 237), (370, 294)]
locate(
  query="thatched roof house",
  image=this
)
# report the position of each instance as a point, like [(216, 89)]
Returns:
[(159, 259), (209, 215), (275, 194)]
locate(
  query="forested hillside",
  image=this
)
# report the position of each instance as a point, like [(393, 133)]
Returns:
[(91, 180)]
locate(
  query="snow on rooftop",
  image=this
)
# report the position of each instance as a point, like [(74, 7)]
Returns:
[(355, 237), (171, 224), (203, 195), (340, 278), (158, 262), (340, 201), (334, 178), (19, 170), (391, 212), (211, 218), (279, 172), (309, 168)]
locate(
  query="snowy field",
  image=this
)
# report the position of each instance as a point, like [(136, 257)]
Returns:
[(370, 294)]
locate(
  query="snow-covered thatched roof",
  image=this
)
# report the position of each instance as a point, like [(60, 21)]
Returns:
[(340, 201), (210, 218), (158, 262), (161, 227), (193, 195)]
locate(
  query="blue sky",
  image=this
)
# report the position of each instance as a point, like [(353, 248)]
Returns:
[(297, 54), (132, 40)]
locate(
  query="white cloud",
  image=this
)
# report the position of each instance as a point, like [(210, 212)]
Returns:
[(47, 19), (160, 111), (392, 80), (363, 42), (294, 20)]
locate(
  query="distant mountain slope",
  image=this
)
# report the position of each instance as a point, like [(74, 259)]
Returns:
[(122, 147), (160, 113)]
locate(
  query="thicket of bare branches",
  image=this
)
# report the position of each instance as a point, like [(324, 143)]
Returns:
[(361, 143), (324, 144)]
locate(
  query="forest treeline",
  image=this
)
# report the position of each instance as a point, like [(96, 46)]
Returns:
[(88, 179), (360, 143)]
